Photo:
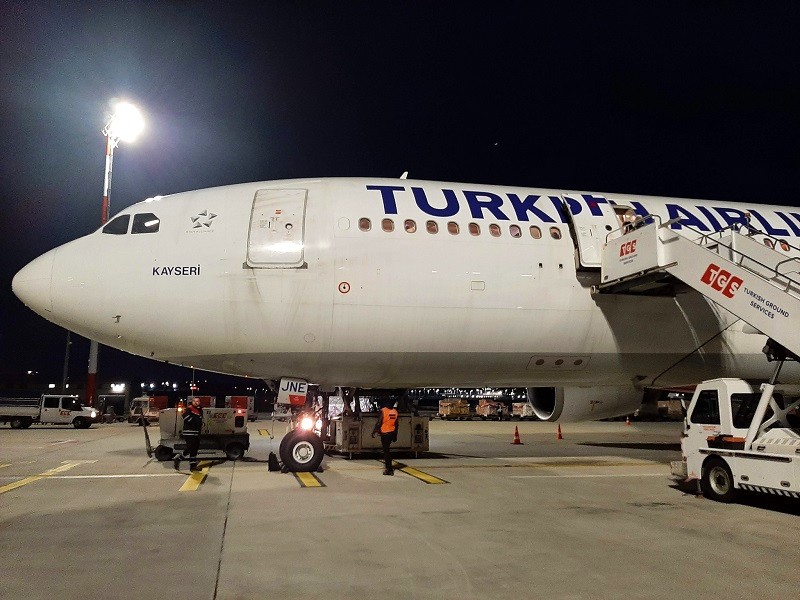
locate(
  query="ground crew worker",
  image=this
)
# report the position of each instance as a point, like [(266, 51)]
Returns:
[(387, 427), (192, 423)]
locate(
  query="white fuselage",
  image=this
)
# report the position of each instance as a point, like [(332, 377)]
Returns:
[(304, 278)]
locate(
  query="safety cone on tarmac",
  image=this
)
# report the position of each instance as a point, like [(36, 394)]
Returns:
[(627, 420), (516, 441), (559, 436)]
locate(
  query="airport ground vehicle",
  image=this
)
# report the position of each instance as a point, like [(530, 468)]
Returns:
[(522, 410), (247, 403), (738, 438), (146, 408), (223, 430), (21, 413), (454, 409)]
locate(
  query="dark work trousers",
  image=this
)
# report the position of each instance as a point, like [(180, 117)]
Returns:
[(386, 441), (192, 446)]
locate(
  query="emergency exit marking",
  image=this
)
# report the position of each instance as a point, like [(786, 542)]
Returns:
[(344, 287)]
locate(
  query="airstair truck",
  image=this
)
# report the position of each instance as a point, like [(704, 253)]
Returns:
[(21, 413), (735, 438)]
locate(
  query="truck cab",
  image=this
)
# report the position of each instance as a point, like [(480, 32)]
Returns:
[(737, 437)]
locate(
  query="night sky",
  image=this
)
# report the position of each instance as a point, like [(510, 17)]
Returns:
[(688, 99)]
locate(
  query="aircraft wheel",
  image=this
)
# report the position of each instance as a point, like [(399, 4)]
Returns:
[(717, 480), (163, 453), (301, 451)]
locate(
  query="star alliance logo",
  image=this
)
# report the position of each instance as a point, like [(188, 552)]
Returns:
[(203, 220)]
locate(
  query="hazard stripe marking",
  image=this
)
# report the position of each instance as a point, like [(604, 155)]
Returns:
[(417, 474), (197, 478), (307, 480), (263, 432), (17, 484)]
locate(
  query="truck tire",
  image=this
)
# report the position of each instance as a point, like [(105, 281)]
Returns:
[(81, 423), (717, 480), (163, 453), (234, 451), (301, 451), (27, 422), (17, 423)]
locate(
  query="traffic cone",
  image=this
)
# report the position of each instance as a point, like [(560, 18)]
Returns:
[(516, 441), (559, 436), (627, 420)]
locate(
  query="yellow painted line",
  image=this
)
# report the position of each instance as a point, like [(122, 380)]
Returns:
[(308, 480), (17, 484), (263, 432), (197, 478), (5, 465), (416, 473)]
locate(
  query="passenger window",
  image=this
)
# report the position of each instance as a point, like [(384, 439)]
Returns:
[(364, 224), (536, 233), (51, 402), (515, 231), (410, 226), (706, 410), (118, 226), (145, 223), (768, 242), (555, 233), (474, 229), (70, 404), (784, 246), (494, 230), (432, 227), (452, 228), (387, 225)]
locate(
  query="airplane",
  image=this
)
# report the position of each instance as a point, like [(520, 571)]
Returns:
[(387, 283)]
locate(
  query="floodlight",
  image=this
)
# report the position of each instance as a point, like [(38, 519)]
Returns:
[(125, 124)]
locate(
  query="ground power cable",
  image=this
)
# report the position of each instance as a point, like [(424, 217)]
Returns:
[(224, 531), (680, 360)]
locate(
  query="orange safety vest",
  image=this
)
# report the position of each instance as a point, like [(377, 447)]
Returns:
[(389, 421)]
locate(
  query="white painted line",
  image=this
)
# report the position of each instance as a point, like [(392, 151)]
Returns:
[(587, 476)]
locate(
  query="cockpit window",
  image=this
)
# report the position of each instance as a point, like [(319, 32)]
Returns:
[(145, 223), (118, 226)]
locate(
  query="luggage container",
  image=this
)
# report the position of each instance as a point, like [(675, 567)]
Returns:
[(352, 435)]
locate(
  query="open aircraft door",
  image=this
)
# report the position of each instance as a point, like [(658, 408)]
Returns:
[(277, 229), (591, 219)]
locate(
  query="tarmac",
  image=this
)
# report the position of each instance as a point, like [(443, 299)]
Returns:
[(86, 514)]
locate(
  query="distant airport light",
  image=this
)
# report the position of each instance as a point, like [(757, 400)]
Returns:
[(52, 386), (125, 124), (117, 388)]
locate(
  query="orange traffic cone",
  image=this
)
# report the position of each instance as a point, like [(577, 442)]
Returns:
[(559, 436), (516, 441), (627, 420)]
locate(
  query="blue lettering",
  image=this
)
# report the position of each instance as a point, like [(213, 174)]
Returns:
[(711, 219), (687, 219), (387, 195), (767, 226), (422, 201), (732, 215), (561, 208), (493, 204), (789, 222), (523, 207), (593, 203)]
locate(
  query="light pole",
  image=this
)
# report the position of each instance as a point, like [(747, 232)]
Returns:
[(124, 125)]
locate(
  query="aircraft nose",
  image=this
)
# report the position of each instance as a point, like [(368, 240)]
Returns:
[(32, 283)]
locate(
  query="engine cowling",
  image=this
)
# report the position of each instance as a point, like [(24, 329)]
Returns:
[(570, 404)]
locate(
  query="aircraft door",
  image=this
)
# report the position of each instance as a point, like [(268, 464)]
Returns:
[(591, 219), (277, 229)]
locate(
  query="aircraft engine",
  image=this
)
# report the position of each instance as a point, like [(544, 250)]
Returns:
[(570, 404)]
